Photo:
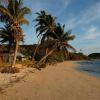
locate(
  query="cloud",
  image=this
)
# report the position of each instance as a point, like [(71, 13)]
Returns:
[(85, 17), (91, 48), (63, 6), (92, 14), (92, 33), (52, 6)]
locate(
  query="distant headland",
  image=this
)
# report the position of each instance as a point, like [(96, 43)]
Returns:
[(94, 55)]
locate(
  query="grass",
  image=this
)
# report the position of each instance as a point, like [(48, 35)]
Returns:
[(26, 62), (4, 64), (6, 67)]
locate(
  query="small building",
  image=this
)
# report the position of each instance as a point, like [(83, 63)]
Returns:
[(5, 56), (8, 57), (20, 57)]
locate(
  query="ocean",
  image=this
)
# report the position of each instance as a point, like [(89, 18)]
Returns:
[(91, 67)]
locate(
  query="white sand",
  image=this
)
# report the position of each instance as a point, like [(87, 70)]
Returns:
[(59, 82)]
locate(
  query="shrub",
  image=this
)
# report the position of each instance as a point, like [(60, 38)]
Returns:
[(9, 70)]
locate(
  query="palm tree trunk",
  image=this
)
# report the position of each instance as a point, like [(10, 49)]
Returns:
[(46, 51), (9, 51), (66, 53), (35, 51), (44, 58), (15, 53)]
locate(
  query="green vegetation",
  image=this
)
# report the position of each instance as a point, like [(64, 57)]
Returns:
[(94, 55), (78, 56)]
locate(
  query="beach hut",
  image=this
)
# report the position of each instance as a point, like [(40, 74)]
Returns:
[(21, 57)]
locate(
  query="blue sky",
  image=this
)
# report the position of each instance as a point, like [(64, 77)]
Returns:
[(82, 16)]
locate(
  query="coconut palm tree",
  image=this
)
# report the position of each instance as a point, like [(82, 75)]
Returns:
[(52, 32), (6, 37), (45, 25), (63, 36), (13, 16), (60, 42)]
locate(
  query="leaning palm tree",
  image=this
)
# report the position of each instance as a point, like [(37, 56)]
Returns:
[(13, 16), (45, 26), (64, 37), (60, 42)]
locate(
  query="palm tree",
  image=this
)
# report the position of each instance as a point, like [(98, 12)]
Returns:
[(13, 16), (64, 37), (45, 25), (52, 32), (6, 37), (60, 42)]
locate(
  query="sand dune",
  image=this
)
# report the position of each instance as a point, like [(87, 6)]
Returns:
[(59, 82)]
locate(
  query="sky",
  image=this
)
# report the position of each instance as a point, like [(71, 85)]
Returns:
[(81, 16)]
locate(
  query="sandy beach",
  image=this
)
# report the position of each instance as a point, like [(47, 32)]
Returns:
[(59, 82)]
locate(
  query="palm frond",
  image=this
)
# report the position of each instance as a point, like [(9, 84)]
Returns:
[(70, 47), (23, 21), (5, 12), (23, 11)]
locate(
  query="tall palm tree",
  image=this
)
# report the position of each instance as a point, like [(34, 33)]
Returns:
[(45, 25), (13, 16)]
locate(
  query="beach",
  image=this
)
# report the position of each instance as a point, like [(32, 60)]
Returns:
[(55, 82)]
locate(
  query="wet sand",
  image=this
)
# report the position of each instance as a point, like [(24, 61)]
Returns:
[(58, 82)]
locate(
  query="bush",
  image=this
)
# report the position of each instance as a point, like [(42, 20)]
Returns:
[(57, 56), (78, 56), (9, 70)]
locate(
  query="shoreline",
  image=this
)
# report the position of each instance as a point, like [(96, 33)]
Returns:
[(90, 68), (58, 82)]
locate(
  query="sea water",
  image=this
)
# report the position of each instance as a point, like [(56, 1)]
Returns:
[(91, 67)]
